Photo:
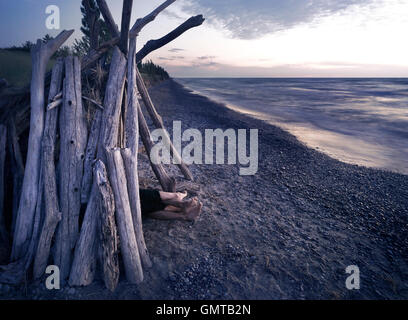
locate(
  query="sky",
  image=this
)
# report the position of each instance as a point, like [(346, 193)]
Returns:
[(257, 38)]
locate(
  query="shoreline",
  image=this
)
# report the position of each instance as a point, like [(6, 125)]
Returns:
[(344, 145), (288, 232)]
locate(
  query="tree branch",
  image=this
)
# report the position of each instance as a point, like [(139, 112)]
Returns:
[(141, 23), (152, 45), (124, 29)]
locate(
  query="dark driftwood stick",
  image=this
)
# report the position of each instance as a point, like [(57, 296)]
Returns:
[(107, 16), (94, 55), (158, 43), (141, 23), (17, 167), (131, 153), (157, 120), (90, 155), (128, 244), (167, 183), (124, 29), (40, 54), (108, 238), (3, 139), (52, 210), (73, 135)]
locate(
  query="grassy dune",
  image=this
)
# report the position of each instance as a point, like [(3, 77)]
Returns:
[(15, 67)]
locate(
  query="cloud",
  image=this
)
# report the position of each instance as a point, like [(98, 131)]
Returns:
[(287, 70), (206, 57), (252, 19), (172, 14), (176, 50), (172, 58)]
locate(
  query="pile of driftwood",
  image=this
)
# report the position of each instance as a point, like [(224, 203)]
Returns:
[(68, 166)]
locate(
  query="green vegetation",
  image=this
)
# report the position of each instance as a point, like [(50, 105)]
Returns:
[(153, 72), (82, 46), (15, 62), (15, 67)]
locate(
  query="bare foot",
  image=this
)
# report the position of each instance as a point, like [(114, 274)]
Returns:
[(189, 203), (181, 195), (193, 212)]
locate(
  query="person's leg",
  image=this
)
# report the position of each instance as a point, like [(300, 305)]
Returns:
[(178, 196), (180, 203), (191, 213), (168, 215), (172, 208)]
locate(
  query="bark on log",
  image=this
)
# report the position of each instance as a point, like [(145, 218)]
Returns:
[(124, 29), (168, 184), (17, 168), (131, 153), (52, 209), (3, 139), (107, 16), (83, 266), (108, 238), (158, 122), (40, 54), (90, 155), (84, 262), (73, 135), (108, 137), (128, 244), (152, 45)]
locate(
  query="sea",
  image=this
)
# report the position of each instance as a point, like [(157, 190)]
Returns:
[(358, 121)]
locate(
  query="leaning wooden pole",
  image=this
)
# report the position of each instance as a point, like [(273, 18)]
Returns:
[(108, 238), (73, 135), (128, 243), (83, 266), (130, 154), (52, 208), (41, 53), (168, 184), (159, 125)]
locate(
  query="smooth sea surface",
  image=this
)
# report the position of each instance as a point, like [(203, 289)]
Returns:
[(359, 121)]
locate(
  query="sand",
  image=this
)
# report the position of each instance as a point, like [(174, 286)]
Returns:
[(288, 232)]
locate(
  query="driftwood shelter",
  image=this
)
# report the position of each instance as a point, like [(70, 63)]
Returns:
[(70, 165)]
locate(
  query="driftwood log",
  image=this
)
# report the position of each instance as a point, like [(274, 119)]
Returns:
[(52, 208), (128, 244), (168, 184), (66, 167), (158, 122), (90, 155), (73, 135), (41, 53), (130, 154), (108, 238)]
